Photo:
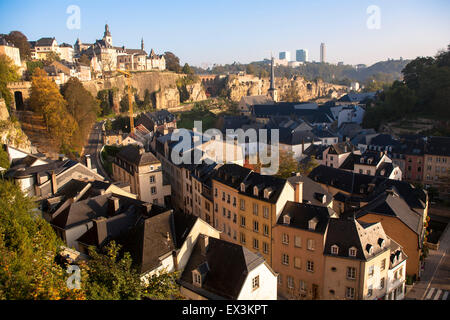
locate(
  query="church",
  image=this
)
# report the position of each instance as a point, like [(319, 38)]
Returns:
[(105, 57)]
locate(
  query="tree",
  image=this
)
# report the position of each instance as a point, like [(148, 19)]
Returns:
[(46, 100), (51, 57), (187, 69), (31, 66), (172, 62), (4, 159), (20, 41), (307, 165), (291, 94), (84, 60), (111, 277), (287, 164), (28, 248), (82, 106), (8, 73)]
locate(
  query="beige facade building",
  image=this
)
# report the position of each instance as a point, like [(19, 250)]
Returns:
[(10, 51), (143, 171)]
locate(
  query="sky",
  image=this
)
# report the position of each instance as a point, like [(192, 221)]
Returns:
[(202, 32)]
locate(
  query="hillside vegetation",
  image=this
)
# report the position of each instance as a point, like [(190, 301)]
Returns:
[(424, 93)]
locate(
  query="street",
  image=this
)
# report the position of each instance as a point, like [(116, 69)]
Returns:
[(435, 281), (93, 148)]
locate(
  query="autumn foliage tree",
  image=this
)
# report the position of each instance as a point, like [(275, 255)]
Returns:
[(83, 107), (46, 100)]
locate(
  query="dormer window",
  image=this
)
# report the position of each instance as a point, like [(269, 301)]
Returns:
[(381, 242), (287, 219), (312, 224), (255, 191), (267, 192), (242, 187), (352, 252), (334, 249), (196, 278), (369, 249)]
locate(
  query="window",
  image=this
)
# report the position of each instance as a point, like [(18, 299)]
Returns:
[(310, 266), (285, 259), (216, 207), (351, 273), (266, 212), (371, 271), (382, 283), (298, 242), (266, 230), (255, 226), (153, 190), (285, 238), (311, 244), (242, 238), (280, 280), (334, 249), (255, 244), (255, 283), (223, 196), (152, 179), (197, 278), (242, 221), (302, 286), (242, 204), (215, 192), (369, 291), (290, 282), (352, 252), (255, 209), (350, 293), (234, 201), (297, 263), (228, 199), (265, 247), (383, 265), (224, 211)]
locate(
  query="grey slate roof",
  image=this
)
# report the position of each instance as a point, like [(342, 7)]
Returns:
[(348, 232), (132, 155), (228, 263), (312, 191), (301, 213)]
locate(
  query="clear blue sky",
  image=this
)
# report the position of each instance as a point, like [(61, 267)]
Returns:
[(219, 31)]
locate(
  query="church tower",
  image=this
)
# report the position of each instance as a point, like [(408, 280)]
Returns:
[(273, 93), (107, 36)]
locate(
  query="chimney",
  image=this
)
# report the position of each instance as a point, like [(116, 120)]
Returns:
[(88, 161), (54, 183), (203, 241), (299, 192), (100, 226), (113, 206)]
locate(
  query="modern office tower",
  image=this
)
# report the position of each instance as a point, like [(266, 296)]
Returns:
[(301, 55), (323, 52), (285, 55)]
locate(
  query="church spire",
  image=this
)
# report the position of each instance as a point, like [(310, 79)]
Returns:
[(142, 44), (272, 72)]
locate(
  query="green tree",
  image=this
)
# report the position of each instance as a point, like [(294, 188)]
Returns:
[(31, 66), (51, 57), (84, 60), (287, 164), (8, 73), (187, 69), (291, 94), (20, 41), (28, 248), (172, 62), (307, 165), (4, 158), (111, 277)]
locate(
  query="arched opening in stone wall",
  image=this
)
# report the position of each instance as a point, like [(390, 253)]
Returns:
[(18, 99)]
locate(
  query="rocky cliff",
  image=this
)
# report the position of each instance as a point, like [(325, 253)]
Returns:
[(240, 86), (11, 132), (163, 85)]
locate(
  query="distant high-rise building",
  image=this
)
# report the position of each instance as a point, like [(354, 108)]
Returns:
[(285, 55), (323, 52), (301, 55)]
